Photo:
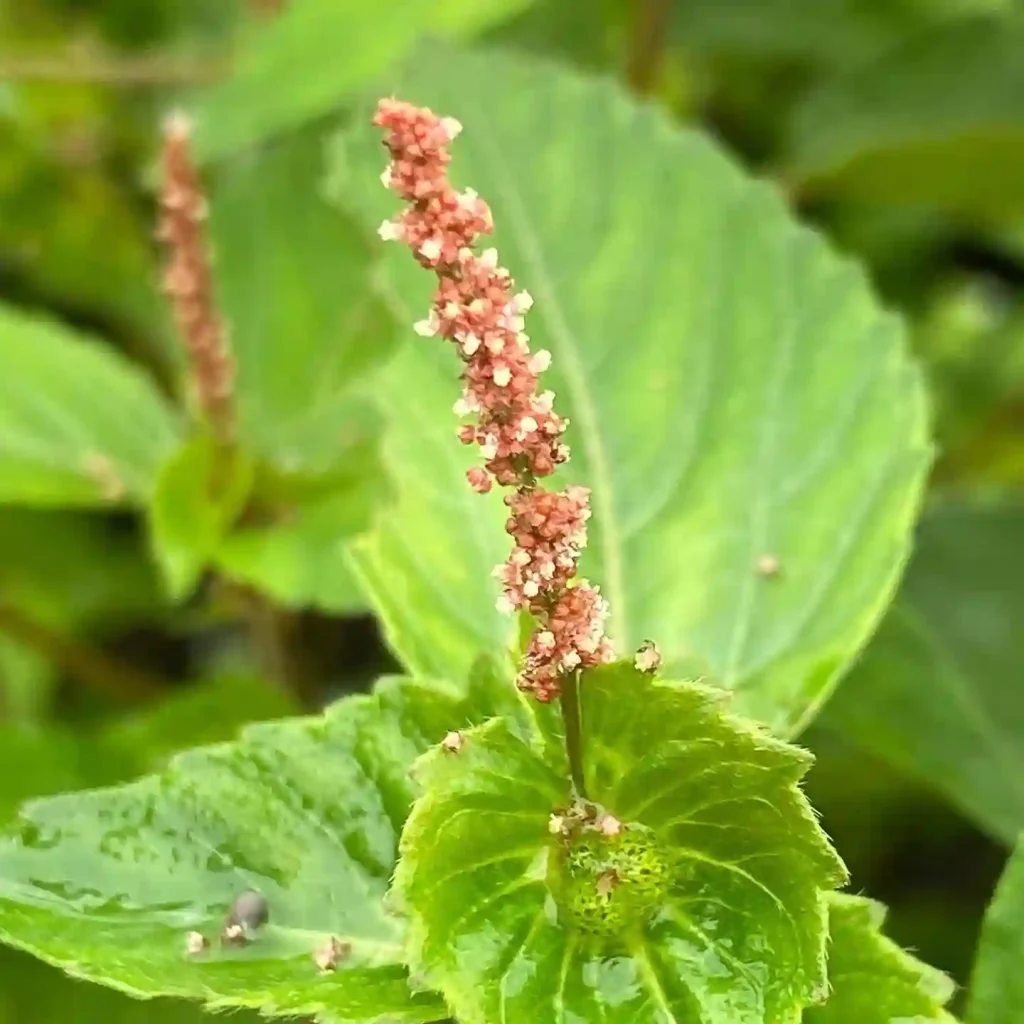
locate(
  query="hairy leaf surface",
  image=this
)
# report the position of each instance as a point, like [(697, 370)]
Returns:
[(706, 903)]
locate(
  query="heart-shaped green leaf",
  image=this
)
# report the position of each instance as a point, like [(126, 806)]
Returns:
[(694, 889), (108, 884), (997, 986), (744, 412), (871, 980), (79, 425)]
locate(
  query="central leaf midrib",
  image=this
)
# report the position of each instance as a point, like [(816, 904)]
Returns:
[(549, 309)]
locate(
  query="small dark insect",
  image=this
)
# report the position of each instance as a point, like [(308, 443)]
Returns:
[(247, 915)]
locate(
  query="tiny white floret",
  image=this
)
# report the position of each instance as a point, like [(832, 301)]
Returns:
[(540, 361), (430, 249), (451, 127)]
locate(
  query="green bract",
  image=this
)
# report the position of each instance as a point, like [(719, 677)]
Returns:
[(704, 898), (733, 389)]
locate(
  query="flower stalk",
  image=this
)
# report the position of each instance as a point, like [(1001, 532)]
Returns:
[(512, 421), (188, 282)]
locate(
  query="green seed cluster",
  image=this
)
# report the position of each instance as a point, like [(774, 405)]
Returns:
[(607, 885)]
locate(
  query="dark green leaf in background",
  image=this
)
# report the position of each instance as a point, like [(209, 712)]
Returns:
[(997, 986), (707, 903), (31, 992), (306, 327), (79, 425), (938, 691), (310, 58), (733, 389), (938, 119), (303, 561), (871, 980)]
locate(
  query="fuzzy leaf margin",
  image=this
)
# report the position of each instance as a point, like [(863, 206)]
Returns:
[(709, 902)]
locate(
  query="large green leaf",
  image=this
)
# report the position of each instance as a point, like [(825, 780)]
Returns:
[(997, 985), (938, 691), (307, 61), (78, 424), (34, 762), (871, 980), (903, 127), (107, 884), (733, 389), (706, 903), (306, 327)]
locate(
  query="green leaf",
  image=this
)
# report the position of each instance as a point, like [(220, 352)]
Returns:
[(306, 326), (903, 128), (44, 759), (871, 980), (35, 761), (709, 903), (200, 493), (78, 424), (302, 562), (937, 693), (310, 58), (210, 712), (107, 884), (75, 568), (822, 31), (997, 984), (734, 391)]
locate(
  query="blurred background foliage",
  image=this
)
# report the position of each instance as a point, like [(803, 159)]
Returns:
[(894, 126)]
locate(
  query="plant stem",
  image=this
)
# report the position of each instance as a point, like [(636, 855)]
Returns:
[(91, 667), (573, 733), (142, 71), (648, 44)]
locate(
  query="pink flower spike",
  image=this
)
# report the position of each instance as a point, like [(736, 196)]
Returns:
[(517, 432)]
